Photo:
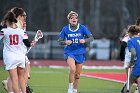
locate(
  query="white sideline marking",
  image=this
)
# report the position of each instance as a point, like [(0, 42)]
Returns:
[(44, 72), (90, 67), (103, 67)]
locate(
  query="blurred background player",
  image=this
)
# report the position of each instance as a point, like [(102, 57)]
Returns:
[(74, 36), (125, 54), (21, 23), (134, 47), (13, 52)]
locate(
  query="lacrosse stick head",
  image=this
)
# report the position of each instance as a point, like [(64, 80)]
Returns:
[(38, 35)]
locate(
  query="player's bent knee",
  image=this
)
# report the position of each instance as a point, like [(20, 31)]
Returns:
[(72, 70), (77, 76)]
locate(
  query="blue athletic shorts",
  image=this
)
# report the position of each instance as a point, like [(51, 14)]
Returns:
[(80, 58)]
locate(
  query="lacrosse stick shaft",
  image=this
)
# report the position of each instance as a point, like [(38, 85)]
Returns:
[(128, 79), (28, 50)]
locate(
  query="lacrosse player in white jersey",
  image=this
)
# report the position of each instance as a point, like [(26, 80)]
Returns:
[(14, 52), (21, 23)]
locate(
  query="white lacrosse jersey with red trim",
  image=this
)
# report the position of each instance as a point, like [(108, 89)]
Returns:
[(13, 40), (14, 50)]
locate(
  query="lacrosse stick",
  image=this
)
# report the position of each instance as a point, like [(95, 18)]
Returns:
[(38, 35), (128, 79)]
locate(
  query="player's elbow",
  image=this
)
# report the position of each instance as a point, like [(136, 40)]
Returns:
[(26, 42)]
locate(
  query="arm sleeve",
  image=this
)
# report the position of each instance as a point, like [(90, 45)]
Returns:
[(26, 42), (88, 36), (89, 39), (62, 33), (133, 55), (122, 50), (62, 41)]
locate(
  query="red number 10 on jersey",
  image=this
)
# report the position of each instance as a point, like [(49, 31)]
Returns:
[(14, 39)]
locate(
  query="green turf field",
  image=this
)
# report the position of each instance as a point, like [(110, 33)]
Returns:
[(50, 80)]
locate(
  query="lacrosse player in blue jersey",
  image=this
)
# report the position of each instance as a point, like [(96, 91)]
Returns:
[(134, 48), (125, 50), (74, 36)]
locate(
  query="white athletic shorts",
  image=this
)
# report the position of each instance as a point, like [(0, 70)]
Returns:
[(13, 60)]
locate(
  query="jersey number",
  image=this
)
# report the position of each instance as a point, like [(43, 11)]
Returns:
[(75, 40), (14, 39)]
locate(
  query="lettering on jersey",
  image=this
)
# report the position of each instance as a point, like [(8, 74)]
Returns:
[(14, 39), (138, 41), (74, 35)]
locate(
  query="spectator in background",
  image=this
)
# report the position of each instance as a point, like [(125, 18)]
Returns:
[(74, 36)]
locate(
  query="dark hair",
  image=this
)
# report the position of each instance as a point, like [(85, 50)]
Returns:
[(10, 17), (138, 21), (134, 30), (18, 11)]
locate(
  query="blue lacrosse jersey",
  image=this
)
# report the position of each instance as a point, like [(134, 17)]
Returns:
[(135, 43), (76, 47)]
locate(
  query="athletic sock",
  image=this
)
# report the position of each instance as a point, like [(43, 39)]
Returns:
[(70, 85)]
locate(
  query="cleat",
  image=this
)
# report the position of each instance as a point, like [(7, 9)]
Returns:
[(74, 90), (70, 90), (136, 90), (122, 91), (28, 89), (4, 83)]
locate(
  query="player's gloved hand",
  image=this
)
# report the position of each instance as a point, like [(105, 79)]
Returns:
[(33, 43), (82, 41), (131, 64), (68, 42)]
